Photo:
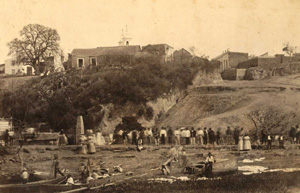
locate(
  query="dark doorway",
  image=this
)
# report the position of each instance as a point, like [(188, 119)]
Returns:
[(29, 71), (93, 62)]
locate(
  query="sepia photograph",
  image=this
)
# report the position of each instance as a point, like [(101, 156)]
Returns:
[(143, 96)]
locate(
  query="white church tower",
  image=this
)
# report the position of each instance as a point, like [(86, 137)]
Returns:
[(125, 39)]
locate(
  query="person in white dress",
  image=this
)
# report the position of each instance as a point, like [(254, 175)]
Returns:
[(247, 143)]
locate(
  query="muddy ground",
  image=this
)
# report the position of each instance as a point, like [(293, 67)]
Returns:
[(143, 164)]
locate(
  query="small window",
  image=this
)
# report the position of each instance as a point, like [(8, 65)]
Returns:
[(127, 43), (93, 62), (13, 71), (13, 62), (80, 62)]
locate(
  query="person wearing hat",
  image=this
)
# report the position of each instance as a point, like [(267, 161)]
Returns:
[(209, 164)]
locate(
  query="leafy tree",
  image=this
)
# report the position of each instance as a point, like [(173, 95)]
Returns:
[(36, 42)]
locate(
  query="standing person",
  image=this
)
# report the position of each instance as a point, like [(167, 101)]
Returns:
[(263, 137), (247, 143), (6, 137), (150, 136), (187, 136), (183, 134), (236, 135), (163, 135), (142, 135), (228, 131), (297, 135), (269, 139), (241, 140), (205, 136), (211, 136), (177, 136), (156, 136), (134, 137), (218, 137), (63, 140), (200, 135), (82, 170), (170, 135), (57, 167), (281, 142), (193, 136), (146, 136), (125, 137), (139, 145), (292, 134)]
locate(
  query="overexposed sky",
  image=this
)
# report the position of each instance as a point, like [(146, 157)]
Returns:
[(253, 26)]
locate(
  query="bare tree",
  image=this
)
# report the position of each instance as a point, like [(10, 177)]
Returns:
[(269, 118), (36, 43), (194, 51), (289, 48)]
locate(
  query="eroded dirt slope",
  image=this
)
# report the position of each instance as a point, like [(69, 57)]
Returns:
[(228, 103)]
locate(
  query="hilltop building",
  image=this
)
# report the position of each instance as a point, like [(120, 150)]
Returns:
[(231, 59), (80, 58), (117, 55), (182, 55), (12, 66), (163, 51)]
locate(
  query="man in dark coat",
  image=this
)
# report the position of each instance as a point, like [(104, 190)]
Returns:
[(228, 131), (170, 135), (236, 134), (205, 137), (211, 136), (219, 137)]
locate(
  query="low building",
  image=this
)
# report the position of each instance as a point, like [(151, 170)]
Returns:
[(231, 59), (269, 62), (80, 58), (163, 51)]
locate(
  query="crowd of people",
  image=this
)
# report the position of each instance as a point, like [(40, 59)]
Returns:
[(166, 135), (205, 136)]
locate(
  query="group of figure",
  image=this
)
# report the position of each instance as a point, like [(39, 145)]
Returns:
[(269, 139), (294, 135), (241, 138), (163, 136)]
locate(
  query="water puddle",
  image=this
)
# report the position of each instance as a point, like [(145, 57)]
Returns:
[(252, 160), (248, 170), (182, 178)]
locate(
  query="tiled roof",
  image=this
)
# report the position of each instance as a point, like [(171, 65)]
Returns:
[(117, 50)]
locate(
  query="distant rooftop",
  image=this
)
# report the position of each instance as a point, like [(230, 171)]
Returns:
[(116, 50), (228, 52)]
